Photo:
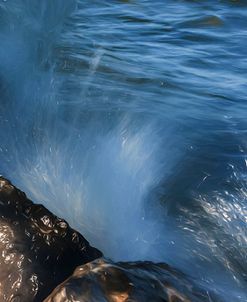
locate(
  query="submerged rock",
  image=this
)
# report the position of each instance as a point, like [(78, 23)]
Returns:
[(37, 249), (103, 280)]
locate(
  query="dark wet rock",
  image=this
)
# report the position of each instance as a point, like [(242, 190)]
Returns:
[(37, 249), (103, 280)]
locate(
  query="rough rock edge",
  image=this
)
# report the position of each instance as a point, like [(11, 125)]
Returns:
[(38, 250)]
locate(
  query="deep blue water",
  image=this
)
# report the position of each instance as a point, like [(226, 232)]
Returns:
[(128, 118)]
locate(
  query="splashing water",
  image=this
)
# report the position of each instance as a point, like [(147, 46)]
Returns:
[(80, 136), (96, 173)]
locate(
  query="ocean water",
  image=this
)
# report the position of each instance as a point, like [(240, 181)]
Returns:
[(128, 118)]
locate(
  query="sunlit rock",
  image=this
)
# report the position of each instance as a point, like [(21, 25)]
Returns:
[(103, 280), (37, 249)]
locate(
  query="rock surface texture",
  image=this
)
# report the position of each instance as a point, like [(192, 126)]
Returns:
[(41, 255), (37, 249), (105, 281)]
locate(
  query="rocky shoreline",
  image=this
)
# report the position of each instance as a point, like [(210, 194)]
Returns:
[(41, 257), (37, 249)]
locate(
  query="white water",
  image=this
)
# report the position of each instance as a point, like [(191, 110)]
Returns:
[(97, 174), (103, 167)]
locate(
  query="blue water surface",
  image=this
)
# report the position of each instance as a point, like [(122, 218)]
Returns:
[(128, 118)]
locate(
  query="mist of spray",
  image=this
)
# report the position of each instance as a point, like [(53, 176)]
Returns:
[(102, 171), (96, 173)]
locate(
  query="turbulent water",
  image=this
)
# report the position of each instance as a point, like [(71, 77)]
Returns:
[(128, 118)]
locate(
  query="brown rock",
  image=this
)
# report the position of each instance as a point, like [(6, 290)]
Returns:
[(103, 280)]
